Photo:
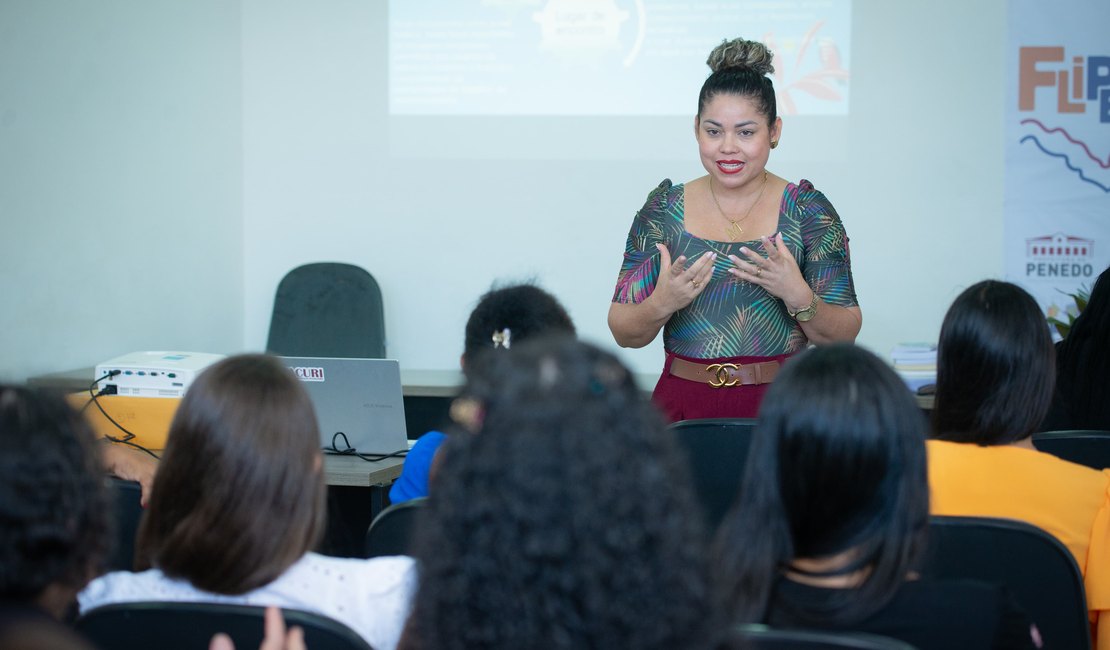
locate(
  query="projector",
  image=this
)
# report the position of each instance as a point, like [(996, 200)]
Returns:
[(153, 374)]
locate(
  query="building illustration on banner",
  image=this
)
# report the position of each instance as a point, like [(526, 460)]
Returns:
[(1059, 256)]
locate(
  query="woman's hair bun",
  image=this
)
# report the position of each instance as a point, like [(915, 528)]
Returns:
[(740, 53)]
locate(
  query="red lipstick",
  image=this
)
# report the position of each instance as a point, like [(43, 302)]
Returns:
[(730, 166)]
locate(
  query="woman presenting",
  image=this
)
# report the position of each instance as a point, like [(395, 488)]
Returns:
[(739, 268)]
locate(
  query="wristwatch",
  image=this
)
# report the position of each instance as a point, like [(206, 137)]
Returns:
[(806, 313)]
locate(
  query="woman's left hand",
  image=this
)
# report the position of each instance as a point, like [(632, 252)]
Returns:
[(778, 272)]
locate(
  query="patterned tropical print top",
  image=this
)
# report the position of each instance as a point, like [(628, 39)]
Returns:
[(731, 318)]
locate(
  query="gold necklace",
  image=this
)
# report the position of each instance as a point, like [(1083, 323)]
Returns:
[(734, 230)]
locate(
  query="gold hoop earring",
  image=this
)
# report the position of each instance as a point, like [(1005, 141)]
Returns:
[(774, 143)]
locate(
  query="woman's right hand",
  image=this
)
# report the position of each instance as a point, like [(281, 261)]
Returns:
[(679, 284), (634, 325)]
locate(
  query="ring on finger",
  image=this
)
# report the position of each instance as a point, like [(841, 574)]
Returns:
[(695, 283), (758, 271)]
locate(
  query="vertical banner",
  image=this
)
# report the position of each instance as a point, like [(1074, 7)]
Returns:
[(1057, 185)]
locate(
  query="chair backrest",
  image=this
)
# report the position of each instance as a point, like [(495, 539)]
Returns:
[(391, 531), (1037, 569), (1084, 446), (127, 498), (189, 626), (717, 449), (761, 637), (328, 309)]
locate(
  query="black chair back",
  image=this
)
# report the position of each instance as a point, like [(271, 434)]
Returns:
[(126, 496), (761, 637), (718, 450), (328, 309), (391, 531), (189, 626), (1084, 446), (1037, 569)]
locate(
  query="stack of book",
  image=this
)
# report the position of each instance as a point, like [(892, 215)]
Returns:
[(916, 363)]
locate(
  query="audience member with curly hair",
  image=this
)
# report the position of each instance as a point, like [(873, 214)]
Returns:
[(55, 526), (833, 511), (995, 372), (568, 522), (238, 504), (503, 317)]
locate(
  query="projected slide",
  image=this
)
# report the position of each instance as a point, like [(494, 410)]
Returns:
[(605, 57)]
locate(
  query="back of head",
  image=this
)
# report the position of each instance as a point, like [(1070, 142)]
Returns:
[(567, 521), (995, 366), (53, 504), (511, 315), (239, 494), (740, 67), (837, 464), (1084, 359)]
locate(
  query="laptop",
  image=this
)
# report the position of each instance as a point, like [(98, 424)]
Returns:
[(359, 397)]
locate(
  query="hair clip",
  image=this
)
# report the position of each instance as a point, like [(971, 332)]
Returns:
[(502, 338)]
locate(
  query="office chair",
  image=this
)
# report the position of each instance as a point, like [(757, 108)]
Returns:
[(761, 637), (328, 309), (189, 626), (1037, 569), (717, 449), (391, 531), (1088, 447)]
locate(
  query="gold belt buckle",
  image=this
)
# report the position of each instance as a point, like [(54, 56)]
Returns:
[(721, 371)]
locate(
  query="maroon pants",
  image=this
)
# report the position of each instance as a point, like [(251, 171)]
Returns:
[(682, 399)]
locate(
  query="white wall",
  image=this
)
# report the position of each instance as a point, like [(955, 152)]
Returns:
[(228, 142), (919, 186), (120, 180)]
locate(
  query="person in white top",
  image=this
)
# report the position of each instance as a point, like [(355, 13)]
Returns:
[(237, 503)]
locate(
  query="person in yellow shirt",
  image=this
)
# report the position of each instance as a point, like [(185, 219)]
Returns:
[(995, 374)]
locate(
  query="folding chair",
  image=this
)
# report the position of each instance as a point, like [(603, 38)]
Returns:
[(1037, 569), (189, 626), (1088, 447), (391, 531), (126, 496), (761, 637), (717, 449)]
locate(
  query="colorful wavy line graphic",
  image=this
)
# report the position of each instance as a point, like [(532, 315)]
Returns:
[(1104, 165), (1067, 161)]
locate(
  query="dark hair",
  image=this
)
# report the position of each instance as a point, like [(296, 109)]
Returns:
[(568, 521), (56, 515), (837, 463), (239, 494), (524, 309), (740, 67), (995, 366), (1082, 360)]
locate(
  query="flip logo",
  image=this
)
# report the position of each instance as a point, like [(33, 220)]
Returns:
[(1084, 81), (1080, 83)]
